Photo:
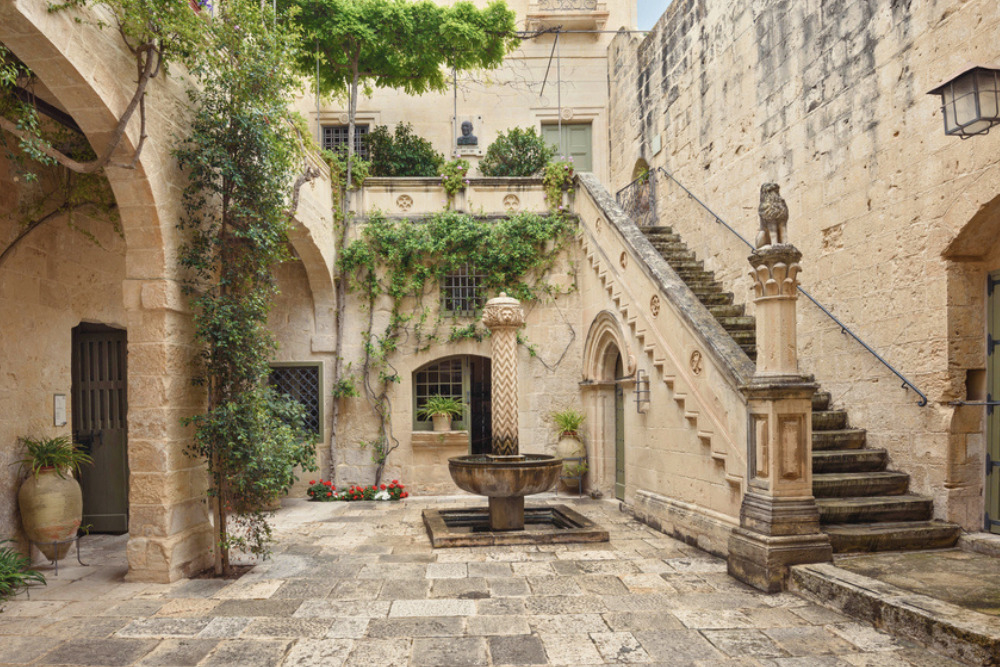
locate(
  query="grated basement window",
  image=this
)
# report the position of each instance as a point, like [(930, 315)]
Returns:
[(462, 292), (300, 382), (335, 139)]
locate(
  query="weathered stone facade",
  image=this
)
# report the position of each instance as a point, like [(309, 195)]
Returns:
[(896, 221)]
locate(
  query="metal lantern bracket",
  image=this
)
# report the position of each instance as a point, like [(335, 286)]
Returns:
[(642, 399)]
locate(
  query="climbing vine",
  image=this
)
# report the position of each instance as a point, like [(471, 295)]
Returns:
[(244, 161), (405, 262)]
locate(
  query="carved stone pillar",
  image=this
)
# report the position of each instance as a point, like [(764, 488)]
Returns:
[(503, 316), (779, 521)]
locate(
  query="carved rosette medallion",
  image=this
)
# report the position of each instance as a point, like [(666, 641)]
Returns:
[(343, 118), (503, 316), (775, 271), (654, 305), (511, 203), (568, 113), (404, 202), (697, 363), (623, 260)]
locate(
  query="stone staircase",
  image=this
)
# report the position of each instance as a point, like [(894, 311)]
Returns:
[(863, 507)]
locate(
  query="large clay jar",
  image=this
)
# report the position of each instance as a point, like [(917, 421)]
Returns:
[(51, 510), (570, 447)]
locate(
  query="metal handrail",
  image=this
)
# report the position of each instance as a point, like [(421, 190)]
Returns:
[(844, 329)]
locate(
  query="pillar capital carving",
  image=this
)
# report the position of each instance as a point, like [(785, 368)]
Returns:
[(775, 271), (503, 312)]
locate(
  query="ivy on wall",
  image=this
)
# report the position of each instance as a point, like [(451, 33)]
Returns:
[(406, 262)]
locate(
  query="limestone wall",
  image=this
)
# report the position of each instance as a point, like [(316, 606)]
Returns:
[(828, 100)]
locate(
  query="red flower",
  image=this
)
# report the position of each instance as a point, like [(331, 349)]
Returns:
[(395, 481), (328, 494), (405, 494), (312, 481), (383, 487)]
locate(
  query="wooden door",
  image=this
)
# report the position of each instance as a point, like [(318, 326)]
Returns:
[(100, 417), (480, 406), (992, 519), (619, 432), (576, 141)]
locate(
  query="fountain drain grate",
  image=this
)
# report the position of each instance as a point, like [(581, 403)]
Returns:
[(470, 527)]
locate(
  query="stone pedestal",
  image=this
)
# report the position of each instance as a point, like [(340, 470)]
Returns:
[(779, 521), (503, 316)]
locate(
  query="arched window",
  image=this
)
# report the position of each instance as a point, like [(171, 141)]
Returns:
[(466, 378)]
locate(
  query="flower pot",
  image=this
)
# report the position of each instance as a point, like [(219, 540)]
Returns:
[(571, 447), (51, 510), (441, 422)]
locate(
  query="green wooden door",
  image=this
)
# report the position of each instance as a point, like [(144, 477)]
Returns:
[(100, 417), (576, 141), (992, 522), (619, 433)]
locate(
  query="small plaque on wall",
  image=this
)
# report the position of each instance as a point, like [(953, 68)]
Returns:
[(59, 409)]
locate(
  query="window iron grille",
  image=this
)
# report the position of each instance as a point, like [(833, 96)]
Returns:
[(335, 139), (441, 379), (462, 292), (301, 382)]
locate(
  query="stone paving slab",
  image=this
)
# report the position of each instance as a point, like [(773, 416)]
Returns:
[(351, 585)]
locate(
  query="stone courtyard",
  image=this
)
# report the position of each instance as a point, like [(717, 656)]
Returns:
[(358, 584)]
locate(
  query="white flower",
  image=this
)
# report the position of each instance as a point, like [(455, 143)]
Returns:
[(382, 495)]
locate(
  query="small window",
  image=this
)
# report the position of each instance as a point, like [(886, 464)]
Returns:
[(335, 139), (302, 383), (462, 292), (444, 378)]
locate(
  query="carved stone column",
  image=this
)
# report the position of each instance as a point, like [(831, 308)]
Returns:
[(503, 316), (779, 521)]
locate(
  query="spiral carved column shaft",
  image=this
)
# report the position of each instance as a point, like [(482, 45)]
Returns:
[(503, 316)]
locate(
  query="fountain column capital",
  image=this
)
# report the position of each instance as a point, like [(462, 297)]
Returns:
[(503, 312)]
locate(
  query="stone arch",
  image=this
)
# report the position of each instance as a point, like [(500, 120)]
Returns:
[(606, 337), (90, 75), (641, 167)]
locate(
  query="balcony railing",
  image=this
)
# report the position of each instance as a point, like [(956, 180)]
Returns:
[(567, 14)]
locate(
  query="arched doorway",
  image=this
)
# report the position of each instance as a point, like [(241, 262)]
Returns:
[(608, 368), (467, 378)]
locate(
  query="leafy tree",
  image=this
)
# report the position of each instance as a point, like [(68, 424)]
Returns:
[(518, 152), (241, 158), (397, 44), (402, 154)]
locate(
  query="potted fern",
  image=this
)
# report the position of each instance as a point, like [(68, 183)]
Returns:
[(441, 410), (50, 499)]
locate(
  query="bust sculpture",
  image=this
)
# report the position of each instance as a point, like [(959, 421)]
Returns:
[(467, 138)]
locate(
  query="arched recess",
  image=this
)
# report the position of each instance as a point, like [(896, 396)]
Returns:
[(641, 167), (320, 276), (91, 75), (607, 361), (972, 269)]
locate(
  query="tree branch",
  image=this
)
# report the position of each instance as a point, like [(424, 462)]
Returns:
[(35, 224)]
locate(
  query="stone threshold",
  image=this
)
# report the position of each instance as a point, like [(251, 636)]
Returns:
[(987, 544), (469, 527), (959, 633)]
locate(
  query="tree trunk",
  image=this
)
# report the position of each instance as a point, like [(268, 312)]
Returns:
[(352, 110)]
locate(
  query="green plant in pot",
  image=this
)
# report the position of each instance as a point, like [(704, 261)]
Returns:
[(568, 423), (16, 574), (441, 410), (50, 499)]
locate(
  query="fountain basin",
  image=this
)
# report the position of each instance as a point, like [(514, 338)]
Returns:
[(505, 477)]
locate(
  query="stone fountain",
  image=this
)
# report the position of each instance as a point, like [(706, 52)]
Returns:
[(506, 476)]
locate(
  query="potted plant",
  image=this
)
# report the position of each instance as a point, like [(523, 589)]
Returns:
[(441, 409), (570, 445), (50, 499)]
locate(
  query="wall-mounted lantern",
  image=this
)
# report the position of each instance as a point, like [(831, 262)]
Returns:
[(970, 102)]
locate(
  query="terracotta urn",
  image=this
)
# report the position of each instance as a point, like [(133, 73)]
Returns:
[(441, 422), (51, 510), (570, 447)]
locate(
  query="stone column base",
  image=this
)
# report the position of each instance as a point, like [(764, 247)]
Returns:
[(763, 561)]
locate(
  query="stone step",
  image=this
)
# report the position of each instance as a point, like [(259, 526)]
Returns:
[(707, 288), (738, 323), (715, 298), (873, 509), (658, 229), (849, 460), (891, 536), (667, 247), (829, 420), (821, 401), (743, 337), (664, 237), (967, 636), (690, 277), (687, 265), (853, 484), (848, 438), (735, 310)]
